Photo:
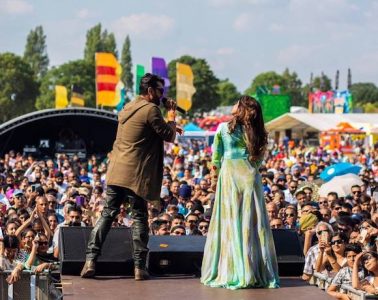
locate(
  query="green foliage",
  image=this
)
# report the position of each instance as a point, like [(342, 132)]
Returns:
[(370, 107), (289, 84), (127, 65), (79, 72), (322, 83), (35, 53), (205, 82), (98, 41), (364, 92), (227, 92), (266, 79), (18, 87)]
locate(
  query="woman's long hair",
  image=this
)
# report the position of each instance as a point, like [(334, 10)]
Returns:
[(249, 116)]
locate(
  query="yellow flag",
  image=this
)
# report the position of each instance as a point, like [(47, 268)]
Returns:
[(108, 74), (61, 100), (184, 86)]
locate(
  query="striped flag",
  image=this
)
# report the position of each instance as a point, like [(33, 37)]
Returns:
[(108, 73), (77, 96), (61, 99), (184, 86), (138, 74)]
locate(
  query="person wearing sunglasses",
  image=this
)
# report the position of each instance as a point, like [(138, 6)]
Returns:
[(135, 170), (331, 256), (369, 261), (356, 194), (344, 276), (321, 229), (290, 218), (368, 234)]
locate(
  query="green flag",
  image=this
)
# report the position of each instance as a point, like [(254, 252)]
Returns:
[(139, 74)]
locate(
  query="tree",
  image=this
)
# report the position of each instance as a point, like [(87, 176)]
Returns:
[(93, 43), (206, 96), (35, 53), (18, 87), (267, 80), (109, 43), (127, 65), (322, 83), (79, 72), (98, 41), (227, 92), (364, 92), (293, 87)]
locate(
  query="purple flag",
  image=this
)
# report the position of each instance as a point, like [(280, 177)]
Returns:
[(160, 68)]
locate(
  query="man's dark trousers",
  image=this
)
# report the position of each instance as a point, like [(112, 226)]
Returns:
[(116, 195)]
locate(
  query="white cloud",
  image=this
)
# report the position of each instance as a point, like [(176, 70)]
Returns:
[(83, 13), (242, 22), (144, 25), (225, 51), (15, 7)]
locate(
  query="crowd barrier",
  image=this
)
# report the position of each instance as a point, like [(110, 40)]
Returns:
[(31, 286), (322, 281)]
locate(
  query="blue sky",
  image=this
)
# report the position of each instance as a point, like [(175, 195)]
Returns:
[(239, 38)]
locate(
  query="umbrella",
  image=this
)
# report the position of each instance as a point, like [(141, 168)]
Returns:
[(340, 184), (339, 169)]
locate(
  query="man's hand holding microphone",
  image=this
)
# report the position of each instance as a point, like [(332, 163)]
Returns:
[(171, 107)]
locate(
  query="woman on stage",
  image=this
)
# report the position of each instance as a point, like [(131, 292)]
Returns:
[(239, 251)]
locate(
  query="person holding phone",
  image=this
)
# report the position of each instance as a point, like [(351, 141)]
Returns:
[(135, 170)]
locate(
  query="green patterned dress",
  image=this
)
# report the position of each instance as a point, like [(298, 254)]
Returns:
[(239, 250)]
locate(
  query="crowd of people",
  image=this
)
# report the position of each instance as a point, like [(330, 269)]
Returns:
[(339, 233)]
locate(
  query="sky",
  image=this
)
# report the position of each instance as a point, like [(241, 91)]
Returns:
[(238, 38)]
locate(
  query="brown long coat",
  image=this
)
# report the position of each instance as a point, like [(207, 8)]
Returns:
[(136, 161)]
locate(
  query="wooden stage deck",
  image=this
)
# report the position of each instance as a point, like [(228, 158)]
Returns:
[(108, 288)]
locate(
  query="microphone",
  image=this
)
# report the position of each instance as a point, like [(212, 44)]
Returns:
[(168, 103)]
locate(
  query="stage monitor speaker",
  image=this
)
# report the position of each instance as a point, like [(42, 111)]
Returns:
[(175, 255), (289, 252), (116, 257)]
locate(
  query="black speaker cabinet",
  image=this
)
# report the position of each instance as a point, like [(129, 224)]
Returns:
[(116, 255), (175, 255), (289, 252)]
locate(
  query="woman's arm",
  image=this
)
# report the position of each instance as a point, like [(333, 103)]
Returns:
[(355, 280), (26, 223), (33, 254), (45, 226)]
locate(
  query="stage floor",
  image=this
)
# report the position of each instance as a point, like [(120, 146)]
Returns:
[(107, 288)]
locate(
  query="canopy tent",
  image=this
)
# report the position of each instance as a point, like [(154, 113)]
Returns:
[(192, 127), (319, 122)]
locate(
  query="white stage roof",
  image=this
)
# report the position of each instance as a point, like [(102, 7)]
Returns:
[(321, 122)]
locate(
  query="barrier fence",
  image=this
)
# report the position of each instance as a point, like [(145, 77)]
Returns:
[(323, 282), (31, 286)]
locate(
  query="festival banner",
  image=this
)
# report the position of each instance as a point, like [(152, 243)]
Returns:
[(77, 96), (184, 86), (108, 74), (159, 67), (139, 73), (61, 99), (338, 102)]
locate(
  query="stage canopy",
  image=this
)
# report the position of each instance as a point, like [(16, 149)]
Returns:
[(46, 132), (320, 122)]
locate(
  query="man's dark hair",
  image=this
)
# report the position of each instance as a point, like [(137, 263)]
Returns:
[(149, 80), (74, 208), (356, 248), (178, 216), (11, 242), (333, 194), (336, 202)]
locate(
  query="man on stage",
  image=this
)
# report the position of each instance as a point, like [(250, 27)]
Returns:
[(135, 170)]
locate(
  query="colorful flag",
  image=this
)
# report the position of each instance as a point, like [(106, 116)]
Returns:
[(138, 74), (184, 86), (61, 100), (77, 96), (108, 73), (159, 68), (120, 95)]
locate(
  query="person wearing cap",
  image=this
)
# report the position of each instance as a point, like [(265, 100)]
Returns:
[(185, 193), (19, 200), (135, 170)]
